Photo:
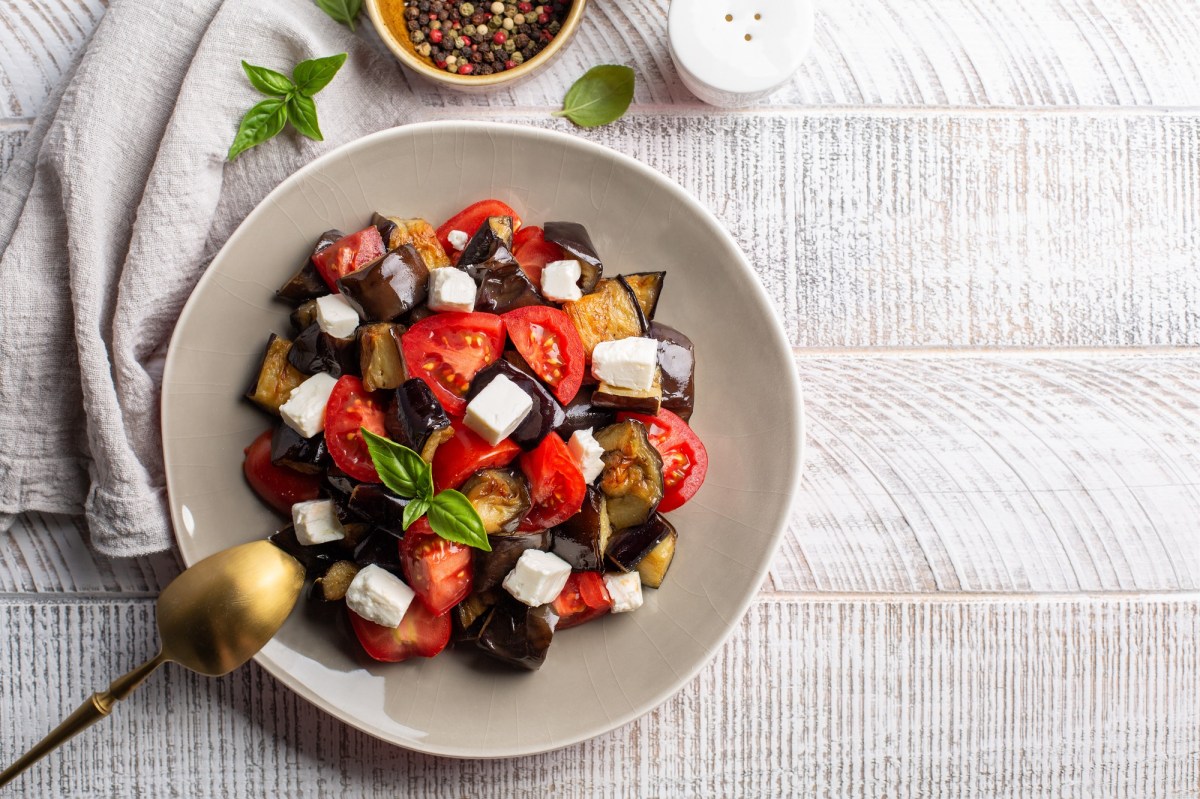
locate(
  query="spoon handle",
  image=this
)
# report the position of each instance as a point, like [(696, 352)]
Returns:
[(97, 706)]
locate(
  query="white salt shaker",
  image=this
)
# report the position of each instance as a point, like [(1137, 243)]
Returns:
[(733, 52)]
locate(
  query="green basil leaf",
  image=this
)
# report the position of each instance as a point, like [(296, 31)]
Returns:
[(415, 510), (343, 11), (400, 469), (601, 96), (454, 518), (313, 75), (260, 123), (302, 113), (268, 81)]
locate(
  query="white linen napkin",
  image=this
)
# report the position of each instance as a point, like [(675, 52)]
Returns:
[(109, 215)]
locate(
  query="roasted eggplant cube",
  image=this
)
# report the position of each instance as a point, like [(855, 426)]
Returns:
[(379, 356), (518, 634), (380, 547), (546, 414), (494, 234), (500, 497), (583, 415), (374, 504), (307, 283), (337, 485), (388, 287), (316, 351), (504, 289), (276, 376), (290, 449), (471, 614), (632, 480), (582, 539), (607, 314), (315, 559), (630, 399), (647, 289), (397, 232), (573, 237), (333, 584), (628, 547), (416, 419), (653, 567), (304, 316), (492, 567), (677, 368)]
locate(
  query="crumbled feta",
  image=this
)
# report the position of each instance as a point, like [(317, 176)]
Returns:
[(451, 289), (537, 578), (379, 596), (497, 410), (625, 590), (336, 316), (316, 522), (587, 454), (560, 281), (304, 410), (458, 239), (626, 363)]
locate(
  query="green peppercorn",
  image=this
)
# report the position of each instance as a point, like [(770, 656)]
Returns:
[(517, 58), (466, 9), (509, 47), (417, 37), (424, 49), (468, 29)]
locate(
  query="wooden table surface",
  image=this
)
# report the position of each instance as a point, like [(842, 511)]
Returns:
[(980, 222)]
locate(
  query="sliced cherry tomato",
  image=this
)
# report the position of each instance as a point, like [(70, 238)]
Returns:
[(555, 484), (348, 254), (446, 350), (526, 233), (685, 461), (278, 486), (550, 344), (350, 407), (583, 598), (466, 453), (421, 634), (440, 571), (470, 218), (533, 252)]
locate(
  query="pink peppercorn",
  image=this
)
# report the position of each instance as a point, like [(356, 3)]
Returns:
[(510, 64), (435, 36), (499, 37), (524, 8), (543, 19), (466, 69)]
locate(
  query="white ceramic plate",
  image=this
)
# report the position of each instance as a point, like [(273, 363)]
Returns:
[(748, 413)]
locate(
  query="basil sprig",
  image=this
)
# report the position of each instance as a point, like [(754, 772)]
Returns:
[(344, 11), (450, 513), (288, 100), (601, 96)]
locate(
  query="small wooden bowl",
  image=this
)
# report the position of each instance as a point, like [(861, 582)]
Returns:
[(404, 50)]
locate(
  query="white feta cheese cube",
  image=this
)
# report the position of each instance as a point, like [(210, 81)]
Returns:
[(336, 316), (587, 454), (451, 289), (625, 590), (379, 596), (497, 410), (316, 522), (537, 578), (458, 239), (304, 410), (560, 281), (626, 363)]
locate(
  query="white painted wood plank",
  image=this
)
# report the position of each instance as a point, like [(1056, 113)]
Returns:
[(817, 697)]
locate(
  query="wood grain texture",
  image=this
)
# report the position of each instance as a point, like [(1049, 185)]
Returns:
[(814, 697)]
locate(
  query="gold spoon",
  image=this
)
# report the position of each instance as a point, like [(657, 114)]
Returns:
[(211, 619)]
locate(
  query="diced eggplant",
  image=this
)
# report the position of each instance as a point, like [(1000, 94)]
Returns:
[(518, 634), (582, 539), (290, 449), (333, 584), (397, 232), (422, 311), (416, 419), (307, 284), (628, 547), (573, 237), (304, 316), (388, 287), (632, 479), (517, 360), (276, 376), (316, 351), (630, 399), (546, 414), (492, 567), (471, 614), (677, 367), (504, 289), (607, 314), (647, 288), (653, 567), (374, 504), (379, 356), (500, 497), (337, 485), (315, 559), (583, 415), (494, 234), (381, 548)]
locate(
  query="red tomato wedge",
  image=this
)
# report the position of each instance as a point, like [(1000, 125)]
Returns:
[(351, 407), (583, 598), (469, 219), (533, 252), (548, 341), (421, 634), (278, 486), (348, 254), (685, 461), (446, 350), (441, 572), (466, 453), (556, 485)]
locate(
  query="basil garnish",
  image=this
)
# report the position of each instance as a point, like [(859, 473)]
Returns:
[(289, 99), (601, 96), (344, 11)]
